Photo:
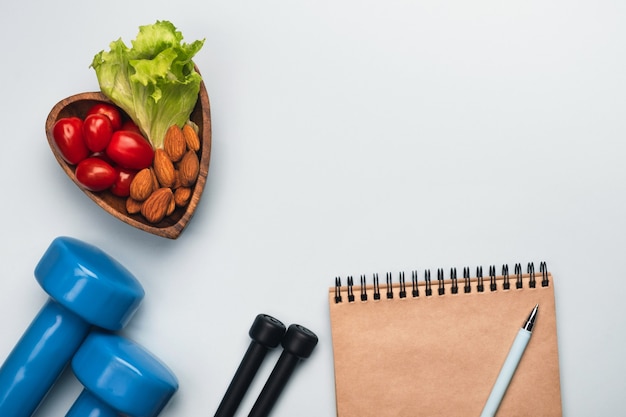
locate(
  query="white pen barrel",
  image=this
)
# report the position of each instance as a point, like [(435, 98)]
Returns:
[(506, 373)]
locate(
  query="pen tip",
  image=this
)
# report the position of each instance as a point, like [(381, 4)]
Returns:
[(530, 322)]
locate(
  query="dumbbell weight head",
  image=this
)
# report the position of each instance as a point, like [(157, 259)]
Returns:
[(87, 287), (120, 376), (89, 283)]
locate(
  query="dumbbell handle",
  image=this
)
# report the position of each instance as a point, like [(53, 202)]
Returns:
[(248, 368), (87, 405), (38, 359), (275, 384)]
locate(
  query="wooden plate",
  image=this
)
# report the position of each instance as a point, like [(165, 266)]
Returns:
[(171, 226)]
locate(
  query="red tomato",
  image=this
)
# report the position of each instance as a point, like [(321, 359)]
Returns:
[(69, 141), (94, 174), (130, 150), (110, 111), (121, 186), (102, 155), (97, 131), (130, 125)]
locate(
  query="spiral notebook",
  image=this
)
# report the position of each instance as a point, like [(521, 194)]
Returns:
[(434, 347)]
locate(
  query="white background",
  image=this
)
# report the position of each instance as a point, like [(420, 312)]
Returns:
[(349, 137)]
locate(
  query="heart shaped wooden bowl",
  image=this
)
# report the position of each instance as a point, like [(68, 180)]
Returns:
[(171, 226)]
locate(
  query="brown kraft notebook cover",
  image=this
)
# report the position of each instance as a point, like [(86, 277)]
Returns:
[(414, 354)]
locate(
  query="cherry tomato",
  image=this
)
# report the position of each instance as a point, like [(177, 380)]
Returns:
[(121, 186), (97, 131), (130, 125), (94, 174), (130, 150), (69, 141), (109, 111), (102, 155)]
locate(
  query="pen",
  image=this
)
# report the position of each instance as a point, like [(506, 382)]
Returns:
[(509, 366)]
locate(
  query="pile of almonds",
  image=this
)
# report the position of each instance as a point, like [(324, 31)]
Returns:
[(155, 192)]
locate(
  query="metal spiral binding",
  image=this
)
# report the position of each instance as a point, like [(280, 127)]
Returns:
[(492, 278), (429, 290), (505, 273), (376, 288), (389, 286), (350, 292), (480, 287), (363, 291), (441, 289), (531, 271), (337, 290), (518, 276), (402, 293), (455, 283), (466, 278), (414, 287), (544, 274), (441, 282)]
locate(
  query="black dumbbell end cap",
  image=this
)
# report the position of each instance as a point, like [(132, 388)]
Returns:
[(299, 341), (267, 330)]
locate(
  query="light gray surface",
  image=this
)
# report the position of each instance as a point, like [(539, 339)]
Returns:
[(349, 137)]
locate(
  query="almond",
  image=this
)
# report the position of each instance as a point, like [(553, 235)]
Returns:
[(164, 168), (133, 206), (174, 143), (171, 207), (156, 206), (141, 187), (188, 169), (177, 182), (191, 138), (155, 181), (182, 196)]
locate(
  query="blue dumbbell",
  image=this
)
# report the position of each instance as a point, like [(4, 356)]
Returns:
[(87, 288), (120, 376)]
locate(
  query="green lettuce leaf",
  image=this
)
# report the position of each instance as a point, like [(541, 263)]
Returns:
[(154, 81)]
